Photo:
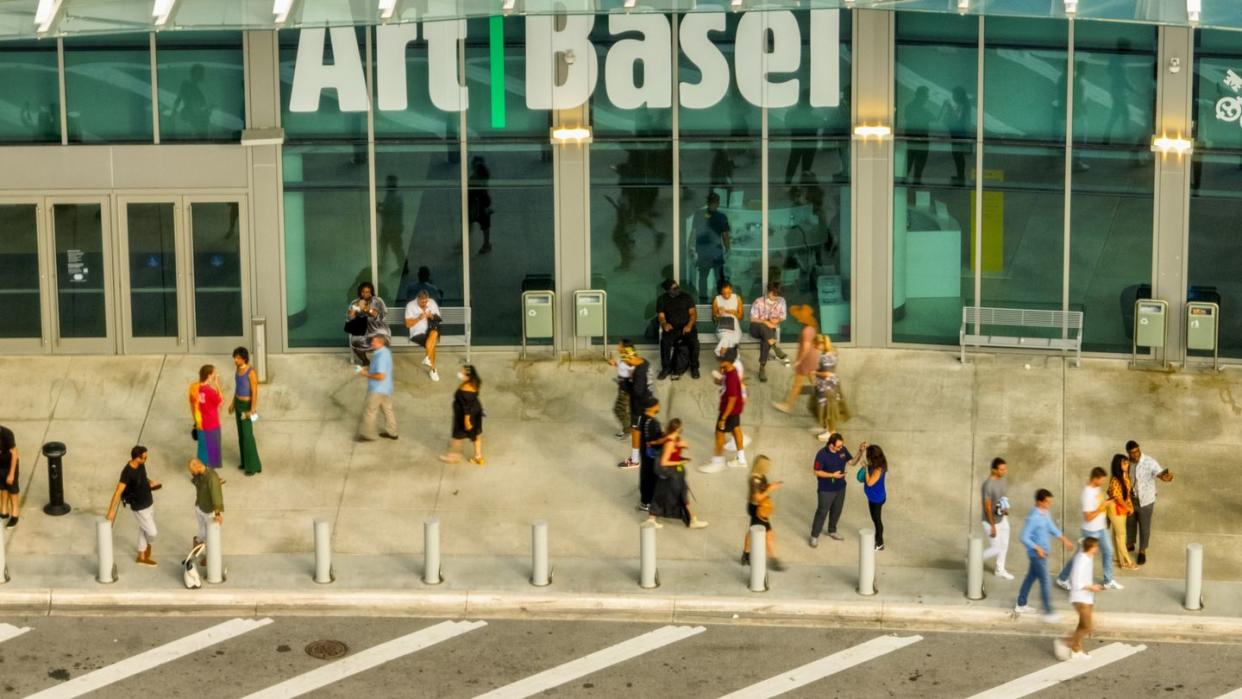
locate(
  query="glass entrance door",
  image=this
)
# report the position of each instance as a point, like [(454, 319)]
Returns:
[(82, 313), (22, 279), (183, 274)]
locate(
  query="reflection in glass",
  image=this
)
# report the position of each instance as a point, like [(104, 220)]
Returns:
[(1214, 268), (30, 100), (201, 86), (19, 272), (80, 293), (216, 249), (730, 246), (108, 89), (152, 239)]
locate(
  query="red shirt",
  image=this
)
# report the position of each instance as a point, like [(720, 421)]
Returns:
[(732, 389), (209, 405)]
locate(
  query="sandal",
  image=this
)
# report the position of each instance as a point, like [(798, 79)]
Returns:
[(478, 460)]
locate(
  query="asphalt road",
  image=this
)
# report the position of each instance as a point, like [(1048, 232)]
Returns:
[(209, 657)]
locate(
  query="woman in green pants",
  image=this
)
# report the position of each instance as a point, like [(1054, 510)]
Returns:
[(245, 410)]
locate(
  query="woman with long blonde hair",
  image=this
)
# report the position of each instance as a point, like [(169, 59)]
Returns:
[(760, 508)]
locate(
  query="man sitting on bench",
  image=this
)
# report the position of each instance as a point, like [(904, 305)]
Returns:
[(678, 316)]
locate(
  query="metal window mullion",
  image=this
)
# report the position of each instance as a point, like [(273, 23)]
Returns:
[(676, 146), (764, 218), (371, 197), (1069, 173), (64, 108), (980, 57), (155, 91), (463, 182)]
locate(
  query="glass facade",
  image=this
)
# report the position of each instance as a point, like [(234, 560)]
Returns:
[(201, 86), (30, 100), (108, 89)]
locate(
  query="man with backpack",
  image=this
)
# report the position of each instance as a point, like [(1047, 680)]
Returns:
[(678, 316), (134, 489)]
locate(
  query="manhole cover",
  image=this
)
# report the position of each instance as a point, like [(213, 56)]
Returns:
[(326, 650)]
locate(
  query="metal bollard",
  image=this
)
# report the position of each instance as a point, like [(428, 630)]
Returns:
[(1194, 577), (55, 452), (4, 566), (258, 333), (974, 568), (431, 551), (323, 552), (103, 536), (540, 575), (648, 577), (866, 561), (215, 557), (758, 559)]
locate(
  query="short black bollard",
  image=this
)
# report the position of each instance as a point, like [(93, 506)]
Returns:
[(55, 452)]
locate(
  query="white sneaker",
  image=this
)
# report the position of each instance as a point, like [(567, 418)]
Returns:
[(1061, 649), (697, 524), (1050, 618), (738, 463), (1113, 585), (1080, 655), (1024, 609), (435, 376), (1004, 574), (426, 361), (712, 466), (1063, 584)]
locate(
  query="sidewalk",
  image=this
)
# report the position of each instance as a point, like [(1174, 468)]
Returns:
[(551, 455)]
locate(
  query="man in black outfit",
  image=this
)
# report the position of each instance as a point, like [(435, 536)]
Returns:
[(651, 434), (677, 316)]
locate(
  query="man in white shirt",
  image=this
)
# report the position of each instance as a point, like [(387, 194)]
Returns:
[(422, 317), (1082, 596), (1095, 526), (1144, 473)]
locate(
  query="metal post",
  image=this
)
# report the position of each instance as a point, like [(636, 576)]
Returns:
[(431, 551), (866, 561), (974, 568), (540, 575), (54, 452), (323, 552), (758, 559), (4, 566), (103, 536), (1194, 577), (215, 557), (258, 336), (649, 577)]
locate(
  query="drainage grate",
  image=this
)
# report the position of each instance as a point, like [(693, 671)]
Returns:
[(326, 650)]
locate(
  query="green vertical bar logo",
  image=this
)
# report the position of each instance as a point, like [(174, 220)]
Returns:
[(496, 39)]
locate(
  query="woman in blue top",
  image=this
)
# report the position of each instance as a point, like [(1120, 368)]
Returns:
[(873, 486)]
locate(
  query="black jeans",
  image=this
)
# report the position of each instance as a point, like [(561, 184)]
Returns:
[(762, 333), (830, 504), (646, 478), (1139, 523), (669, 339), (875, 508)]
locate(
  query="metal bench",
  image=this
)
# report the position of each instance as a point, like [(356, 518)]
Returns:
[(977, 322), (450, 317)]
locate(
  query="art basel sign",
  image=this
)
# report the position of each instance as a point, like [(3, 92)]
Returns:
[(767, 50)]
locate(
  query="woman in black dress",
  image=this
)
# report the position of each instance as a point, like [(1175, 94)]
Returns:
[(467, 417), (672, 495)]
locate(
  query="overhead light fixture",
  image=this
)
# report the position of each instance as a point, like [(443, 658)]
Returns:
[(736, 4), (281, 9), (1071, 8), (963, 6), (45, 15), (508, 5), (562, 135), (162, 10), (387, 8), (629, 4), (1194, 8), (1166, 144), (878, 132)]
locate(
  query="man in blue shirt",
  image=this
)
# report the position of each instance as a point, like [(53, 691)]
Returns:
[(711, 244), (829, 469), (1037, 533), (379, 392)]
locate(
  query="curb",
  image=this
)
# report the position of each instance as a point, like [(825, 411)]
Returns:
[(622, 607)]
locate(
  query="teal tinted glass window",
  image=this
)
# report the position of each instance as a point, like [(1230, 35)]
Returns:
[(420, 118), (1214, 268), (607, 118), (30, 99), (202, 86), (803, 119), (1115, 65), (496, 80), (1218, 90), (328, 121), (1025, 75), (733, 115), (108, 89), (731, 171)]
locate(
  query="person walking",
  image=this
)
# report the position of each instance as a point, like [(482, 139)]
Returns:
[(134, 489), (1037, 533), (365, 319), (873, 477), (830, 407), (1120, 506), (766, 315), (994, 493), (672, 493), (641, 386), (422, 318), (467, 417), (10, 478), (621, 405), (808, 355), (652, 436), (210, 396), (379, 392), (208, 498), (245, 408), (1082, 596), (760, 509), (729, 419), (829, 469), (1094, 526), (1145, 471), (677, 315)]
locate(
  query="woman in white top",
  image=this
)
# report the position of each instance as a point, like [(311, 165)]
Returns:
[(727, 314), (1082, 595)]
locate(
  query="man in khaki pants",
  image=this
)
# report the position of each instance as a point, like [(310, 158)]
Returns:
[(379, 392)]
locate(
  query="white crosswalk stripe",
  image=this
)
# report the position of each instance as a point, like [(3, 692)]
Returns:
[(594, 662), (155, 657), (1235, 694), (8, 631), (367, 659), (1062, 671), (819, 669)]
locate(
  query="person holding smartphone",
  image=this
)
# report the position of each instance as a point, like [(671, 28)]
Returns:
[(1095, 526)]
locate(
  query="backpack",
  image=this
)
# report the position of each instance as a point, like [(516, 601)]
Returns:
[(189, 573)]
